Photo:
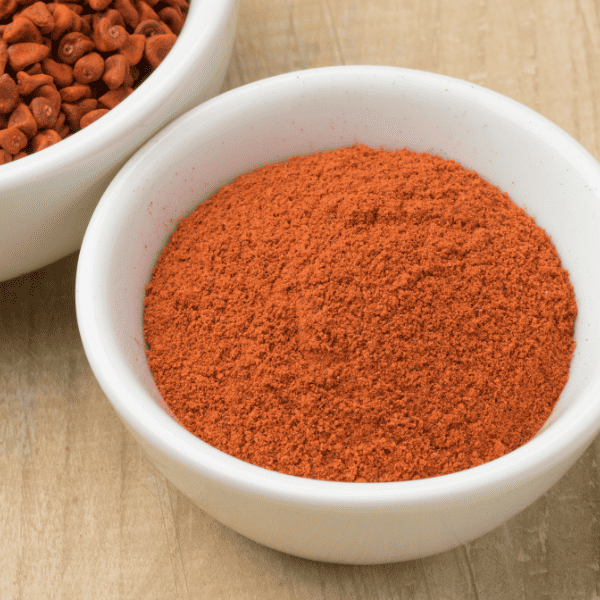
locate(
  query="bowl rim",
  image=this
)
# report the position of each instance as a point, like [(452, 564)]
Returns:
[(541, 454), (196, 41)]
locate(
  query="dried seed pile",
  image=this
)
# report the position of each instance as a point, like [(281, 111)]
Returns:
[(64, 65)]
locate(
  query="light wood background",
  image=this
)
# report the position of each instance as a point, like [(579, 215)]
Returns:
[(83, 515)]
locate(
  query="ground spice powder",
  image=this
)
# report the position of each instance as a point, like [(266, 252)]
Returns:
[(360, 315)]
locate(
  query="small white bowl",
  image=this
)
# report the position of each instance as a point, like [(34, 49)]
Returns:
[(541, 168), (47, 199)]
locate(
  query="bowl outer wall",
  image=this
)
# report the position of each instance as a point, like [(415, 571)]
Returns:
[(47, 199), (261, 123)]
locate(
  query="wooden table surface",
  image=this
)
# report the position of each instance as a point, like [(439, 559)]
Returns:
[(84, 515)]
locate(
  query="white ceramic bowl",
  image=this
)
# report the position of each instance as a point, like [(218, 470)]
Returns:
[(539, 165), (46, 199)]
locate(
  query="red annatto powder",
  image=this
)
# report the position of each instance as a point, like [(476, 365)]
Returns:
[(360, 315)]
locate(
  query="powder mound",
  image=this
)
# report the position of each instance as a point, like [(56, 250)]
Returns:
[(360, 315)]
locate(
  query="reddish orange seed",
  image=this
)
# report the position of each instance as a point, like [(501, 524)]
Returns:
[(44, 114), (24, 54), (40, 16), (157, 48), (27, 83), (73, 46), (45, 139), (22, 118), (61, 73), (75, 92), (173, 17), (129, 12), (21, 30), (12, 139), (133, 48), (146, 12), (88, 68), (114, 97), (115, 70), (51, 94), (9, 97), (75, 111), (92, 116), (64, 20), (115, 17), (108, 37)]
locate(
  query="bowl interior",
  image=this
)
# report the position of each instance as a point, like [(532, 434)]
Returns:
[(539, 166)]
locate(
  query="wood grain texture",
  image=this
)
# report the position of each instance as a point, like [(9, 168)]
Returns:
[(84, 515)]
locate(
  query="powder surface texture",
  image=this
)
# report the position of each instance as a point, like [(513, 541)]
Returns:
[(360, 315)]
